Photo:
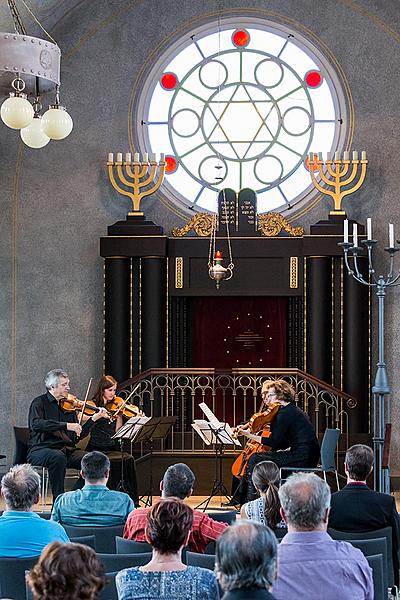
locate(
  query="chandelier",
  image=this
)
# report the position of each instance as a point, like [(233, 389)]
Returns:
[(30, 67)]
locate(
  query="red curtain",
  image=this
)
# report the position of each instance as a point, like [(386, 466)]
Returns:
[(231, 332)]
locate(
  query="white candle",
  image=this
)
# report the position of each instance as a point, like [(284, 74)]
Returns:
[(337, 155), (311, 156), (145, 157), (128, 157), (355, 155), (346, 155), (162, 157), (319, 155), (346, 231), (136, 157), (391, 235), (369, 228), (110, 157), (153, 157), (119, 156), (355, 237), (363, 155)]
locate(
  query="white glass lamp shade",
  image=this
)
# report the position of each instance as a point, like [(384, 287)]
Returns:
[(56, 123), (33, 135), (17, 112)]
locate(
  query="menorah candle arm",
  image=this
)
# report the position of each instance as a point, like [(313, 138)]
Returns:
[(332, 172), (122, 177), (319, 186), (351, 176), (157, 184), (119, 189), (343, 172), (359, 183), (150, 176), (139, 170)]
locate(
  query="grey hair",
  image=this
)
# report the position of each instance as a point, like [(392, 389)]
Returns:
[(245, 556), (20, 487), (304, 498), (52, 378)]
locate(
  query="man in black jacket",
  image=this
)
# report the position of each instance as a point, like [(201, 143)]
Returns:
[(54, 432), (358, 508)]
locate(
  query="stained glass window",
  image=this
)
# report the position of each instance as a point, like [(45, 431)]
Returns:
[(241, 106)]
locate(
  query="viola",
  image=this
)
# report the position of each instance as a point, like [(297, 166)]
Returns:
[(118, 406), (258, 423), (72, 404)]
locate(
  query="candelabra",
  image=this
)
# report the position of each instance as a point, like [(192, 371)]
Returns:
[(336, 176), (141, 174), (381, 387)]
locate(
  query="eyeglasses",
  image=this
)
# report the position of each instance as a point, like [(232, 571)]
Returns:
[(270, 395)]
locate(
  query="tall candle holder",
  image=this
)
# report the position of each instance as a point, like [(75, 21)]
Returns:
[(139, 176), (337, 176), (381, 387)]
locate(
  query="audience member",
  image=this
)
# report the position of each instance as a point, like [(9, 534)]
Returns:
[(178, 482), (166, 576), (94, 504), (311, 564), (266, 508), (246, 561), (67, 572), (357, 508), (22, 532)]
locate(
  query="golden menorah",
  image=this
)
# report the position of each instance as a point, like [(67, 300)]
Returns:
[(136, 175), (337, 175)]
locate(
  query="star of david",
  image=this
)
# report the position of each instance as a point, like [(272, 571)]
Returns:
[(229, 109)]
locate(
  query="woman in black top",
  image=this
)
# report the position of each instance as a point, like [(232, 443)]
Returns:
[(291, 432), (100, 439)]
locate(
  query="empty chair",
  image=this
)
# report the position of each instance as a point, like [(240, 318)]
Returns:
[(109, 592), (385, 532), (376, 563), (105, 535), (194, 559), (223, 516), (328, 462), (280, 532), (131, 546), (87, 540), (117, 562), (12, 575)]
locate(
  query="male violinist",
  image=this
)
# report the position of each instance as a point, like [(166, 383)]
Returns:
[(54, 432), (291, 438)]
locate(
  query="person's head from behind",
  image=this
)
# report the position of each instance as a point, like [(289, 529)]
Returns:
[(358, 462), (245, 557), (67, 572), (95, 468), (168, 527), (266, 480), (305, 500), (20, 488), (178, 482)]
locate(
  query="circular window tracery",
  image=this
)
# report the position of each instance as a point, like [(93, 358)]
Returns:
[(241, 107)]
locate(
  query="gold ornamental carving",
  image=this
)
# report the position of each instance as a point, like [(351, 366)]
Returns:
[(271, 224), (201, 224)]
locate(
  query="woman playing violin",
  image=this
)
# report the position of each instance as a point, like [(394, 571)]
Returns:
[(291, 437), (100, 439)]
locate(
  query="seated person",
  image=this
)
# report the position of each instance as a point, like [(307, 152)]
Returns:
[(22, 532), (94, 504), (166, 576), (311, 564), (67, 571), (357, 508), (178, 482), (266, 508), (246, 561)]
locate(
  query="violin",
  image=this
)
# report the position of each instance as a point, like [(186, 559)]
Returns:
[(118, 406), (72, 404), (258, 423)]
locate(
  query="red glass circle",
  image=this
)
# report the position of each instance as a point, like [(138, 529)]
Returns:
[(171, 164), (313, 79), (241, 38), (168, 81)]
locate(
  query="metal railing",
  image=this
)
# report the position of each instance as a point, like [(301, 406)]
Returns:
[(234, 396)]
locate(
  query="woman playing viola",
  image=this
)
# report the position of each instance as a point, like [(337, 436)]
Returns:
[(291, 438), (101, 439)]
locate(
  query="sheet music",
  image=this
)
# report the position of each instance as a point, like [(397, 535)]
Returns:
[(138, 423), (210, 415), (224, 430), (203, 430)]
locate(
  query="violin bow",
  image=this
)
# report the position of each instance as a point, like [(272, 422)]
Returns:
[(85, 401), (120, 408)]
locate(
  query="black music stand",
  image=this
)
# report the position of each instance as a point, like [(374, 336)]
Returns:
[(128, 431), (218, 434), (156, 428)]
